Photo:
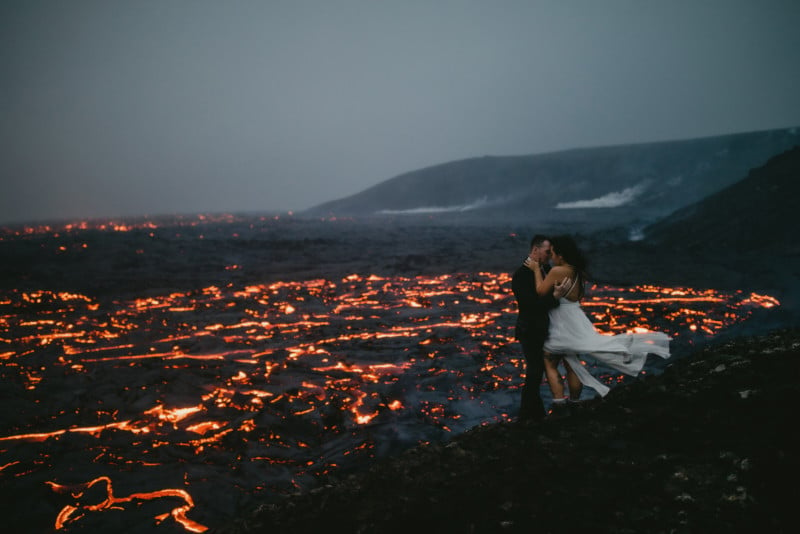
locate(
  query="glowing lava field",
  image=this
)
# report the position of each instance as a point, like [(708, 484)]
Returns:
[(183, 408)]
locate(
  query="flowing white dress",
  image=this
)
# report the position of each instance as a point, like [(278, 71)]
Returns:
[(572, 333)]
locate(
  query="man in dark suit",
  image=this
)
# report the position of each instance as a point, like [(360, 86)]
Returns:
[(532, 325)]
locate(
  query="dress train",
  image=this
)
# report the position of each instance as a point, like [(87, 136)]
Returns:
[(572, 333)]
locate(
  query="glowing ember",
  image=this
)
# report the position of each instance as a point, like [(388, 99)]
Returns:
[(262, 388), (119, 226)]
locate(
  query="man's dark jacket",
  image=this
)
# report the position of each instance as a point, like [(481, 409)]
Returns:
[(532, 320)]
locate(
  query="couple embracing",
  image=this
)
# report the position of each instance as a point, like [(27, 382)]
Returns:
[(553, 329)]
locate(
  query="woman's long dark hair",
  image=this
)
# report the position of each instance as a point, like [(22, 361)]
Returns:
[(565, 246)]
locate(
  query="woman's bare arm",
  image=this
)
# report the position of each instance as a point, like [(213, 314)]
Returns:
[(556, 274), (544, 285)]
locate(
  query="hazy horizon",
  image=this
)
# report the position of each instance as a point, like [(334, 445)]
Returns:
[(126, 109)]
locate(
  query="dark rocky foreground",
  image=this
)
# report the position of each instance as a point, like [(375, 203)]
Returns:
[(710, 445)]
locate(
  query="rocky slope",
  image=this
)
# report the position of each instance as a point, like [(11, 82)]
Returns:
[(754, 213), (707, 446), (743, 236)]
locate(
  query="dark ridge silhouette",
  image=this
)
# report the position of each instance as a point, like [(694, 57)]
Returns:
[(756, 213), (742, 237), (646, 181)]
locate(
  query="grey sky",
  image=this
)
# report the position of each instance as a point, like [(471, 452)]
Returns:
[(112, 108)]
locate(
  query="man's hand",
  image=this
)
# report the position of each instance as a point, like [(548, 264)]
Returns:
[(560, 288)]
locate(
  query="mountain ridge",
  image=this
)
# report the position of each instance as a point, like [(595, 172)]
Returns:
[(654, 179)]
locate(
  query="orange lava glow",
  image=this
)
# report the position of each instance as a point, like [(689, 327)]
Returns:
[(143, 223), (266, 386), (71, 513)]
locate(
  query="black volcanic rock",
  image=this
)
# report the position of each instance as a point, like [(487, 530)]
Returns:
[(707, 446), (756, 213), (665, 176)]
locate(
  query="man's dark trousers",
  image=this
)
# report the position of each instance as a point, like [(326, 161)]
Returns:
[(533, 322), (532, 406)]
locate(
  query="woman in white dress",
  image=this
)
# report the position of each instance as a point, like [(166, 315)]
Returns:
[(572, 333)]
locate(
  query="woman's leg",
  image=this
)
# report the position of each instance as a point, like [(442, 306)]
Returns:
[(553, 376), (574, 383)]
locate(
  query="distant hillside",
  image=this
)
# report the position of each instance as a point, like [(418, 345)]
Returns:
[(643, 181), (742, 237), (759, 212)]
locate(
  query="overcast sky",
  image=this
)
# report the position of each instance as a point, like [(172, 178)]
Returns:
[(112, 108)]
